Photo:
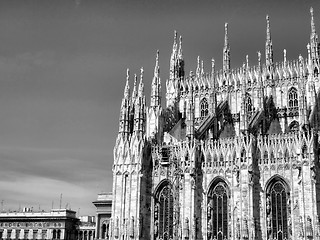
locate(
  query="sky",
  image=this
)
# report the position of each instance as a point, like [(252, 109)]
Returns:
[(63, 69)]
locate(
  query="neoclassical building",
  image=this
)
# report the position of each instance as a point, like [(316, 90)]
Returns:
[(103, 206), (29, 224), (231, 154)]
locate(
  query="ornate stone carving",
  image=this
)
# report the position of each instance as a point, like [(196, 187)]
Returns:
[(309, 230), (186, 228), (238, 230), (300, 228), (245, 229), (116, 230), (253, 229), (132, 227)]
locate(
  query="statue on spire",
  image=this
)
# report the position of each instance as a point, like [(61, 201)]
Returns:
[(156, 67), (127, 88), (156, 84), (180, 61), (134, 90), (141, 86), (314, 44), (198, 70), (124, 119), (226, 51), (313, 28), (180, 55), (269, 50)]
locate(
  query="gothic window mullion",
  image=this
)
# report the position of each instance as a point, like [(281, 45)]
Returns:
[(282, 211), (171, 214), (285, 213), (225, 216), (273, 212), (222, 213), (278, 205), (214, 212), (217, 217)]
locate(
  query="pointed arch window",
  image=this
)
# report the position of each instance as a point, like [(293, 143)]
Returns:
[(218, 212), (249, 106), (204, 108), (294, 126), (316, 72), (243, 156), (278, 210), (293, 98), (163, 216)]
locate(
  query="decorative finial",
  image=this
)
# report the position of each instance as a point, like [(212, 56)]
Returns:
[(268, 28), (156, 67), (247, 61), (198, 67), (284, 55), (127, 88), (212, 65), (300, 59), (135, 81), (202, 69), (180, 48), (313, 28), (141, 86), (175, 37), (141, 74), (259, 57), (157, 57), (301, 63), (309, 51), (128, 74), (175, 45), (226, 34)]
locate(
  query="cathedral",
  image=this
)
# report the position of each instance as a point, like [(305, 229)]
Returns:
[(230, 153)]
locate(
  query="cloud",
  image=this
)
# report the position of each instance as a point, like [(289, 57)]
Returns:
[(34, 191), (55, 164), (31, 177)]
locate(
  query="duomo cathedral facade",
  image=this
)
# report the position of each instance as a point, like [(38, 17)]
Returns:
[(229, 154)]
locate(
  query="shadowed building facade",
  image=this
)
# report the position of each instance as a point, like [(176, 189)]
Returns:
[(233, 154)]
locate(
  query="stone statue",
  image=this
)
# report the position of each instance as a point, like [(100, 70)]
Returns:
[(156, 228), (253, 229), (132, 227), (186, 228), (116, 230)]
